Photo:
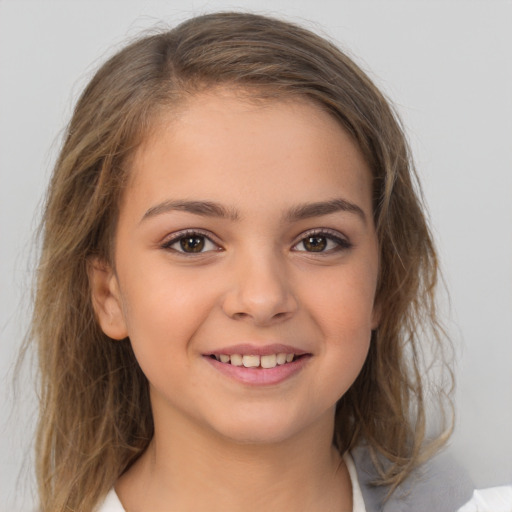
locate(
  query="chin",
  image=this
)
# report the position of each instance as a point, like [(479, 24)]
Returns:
[(262, 428), (258, 436)]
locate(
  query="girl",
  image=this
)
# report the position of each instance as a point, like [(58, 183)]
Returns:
[(235, 285)]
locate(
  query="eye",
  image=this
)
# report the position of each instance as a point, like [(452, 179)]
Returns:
[(190, 242), (322, 242)]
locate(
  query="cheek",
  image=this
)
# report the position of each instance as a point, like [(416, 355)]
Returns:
[(347, 333), (163, 311), (343, 303), (342, 309), (346, 328)]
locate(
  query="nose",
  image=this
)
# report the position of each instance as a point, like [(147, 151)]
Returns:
[(261, 291)]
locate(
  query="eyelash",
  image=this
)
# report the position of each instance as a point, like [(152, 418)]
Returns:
[(342, 243), (189, 233), (330, 235)]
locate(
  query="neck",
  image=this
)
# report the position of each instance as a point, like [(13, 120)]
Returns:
[(189, 468)]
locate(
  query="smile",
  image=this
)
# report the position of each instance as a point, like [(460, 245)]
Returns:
[(258, 365), (255, 361)]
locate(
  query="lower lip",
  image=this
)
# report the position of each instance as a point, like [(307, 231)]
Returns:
[(260, 376)]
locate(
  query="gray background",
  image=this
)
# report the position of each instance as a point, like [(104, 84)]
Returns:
[(448, 67)]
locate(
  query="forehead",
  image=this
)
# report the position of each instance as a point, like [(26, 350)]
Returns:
[(226, 140)]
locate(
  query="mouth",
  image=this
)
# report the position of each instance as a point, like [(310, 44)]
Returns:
[(258, 364), (267, 361)]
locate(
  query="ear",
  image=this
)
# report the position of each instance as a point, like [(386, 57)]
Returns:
[(376, 314), (106, 299)]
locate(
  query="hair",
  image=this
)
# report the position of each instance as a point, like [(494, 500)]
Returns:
[(95, 414)]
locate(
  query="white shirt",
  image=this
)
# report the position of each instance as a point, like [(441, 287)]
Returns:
[(496, 499), (357, 495)]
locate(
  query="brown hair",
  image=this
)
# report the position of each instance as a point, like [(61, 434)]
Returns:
[(95, 415)]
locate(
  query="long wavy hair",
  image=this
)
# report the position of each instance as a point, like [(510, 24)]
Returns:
[(95, 414)]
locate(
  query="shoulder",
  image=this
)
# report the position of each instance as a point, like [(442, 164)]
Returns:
[(493, 499), (440, 484)]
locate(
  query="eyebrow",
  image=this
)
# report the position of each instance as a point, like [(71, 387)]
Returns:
[(308, 210), (296, 213), (204, 208)]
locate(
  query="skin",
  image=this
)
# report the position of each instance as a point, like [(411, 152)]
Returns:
[(221, 444)]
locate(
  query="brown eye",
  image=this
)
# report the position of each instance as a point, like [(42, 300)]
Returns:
[(325, 242), (192, 243), (315, 243)]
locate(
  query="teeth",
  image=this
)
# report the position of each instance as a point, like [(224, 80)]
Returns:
[(236, 360), (269, 361), (252, 361)]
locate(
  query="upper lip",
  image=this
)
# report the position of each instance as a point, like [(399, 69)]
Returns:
[(248, 349)]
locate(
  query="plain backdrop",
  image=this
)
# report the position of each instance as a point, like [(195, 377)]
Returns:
[(447, 65)]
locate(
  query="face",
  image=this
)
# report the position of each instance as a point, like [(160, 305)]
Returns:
[(246, 265)]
